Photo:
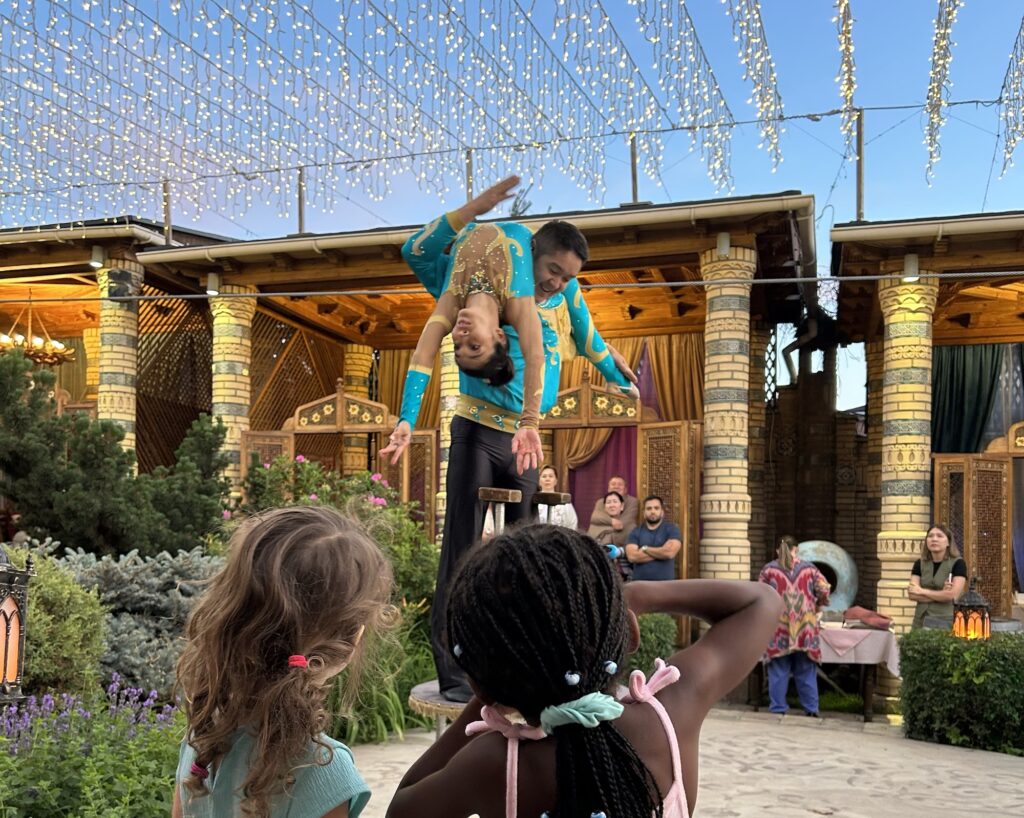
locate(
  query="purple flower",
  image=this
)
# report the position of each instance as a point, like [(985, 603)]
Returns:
[(300, 458)]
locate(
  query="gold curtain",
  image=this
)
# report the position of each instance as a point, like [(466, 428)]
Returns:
[(677, 365), (391, 369), (71, 375), (575, 447)]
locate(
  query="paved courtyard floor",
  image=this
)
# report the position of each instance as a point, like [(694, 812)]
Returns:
[(756, 764)]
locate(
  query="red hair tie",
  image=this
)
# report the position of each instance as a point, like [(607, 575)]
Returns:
[(298, 660), (199, 771)]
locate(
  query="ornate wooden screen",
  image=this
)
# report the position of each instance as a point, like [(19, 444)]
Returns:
[(416, 475), (263, 447), (972, 496)]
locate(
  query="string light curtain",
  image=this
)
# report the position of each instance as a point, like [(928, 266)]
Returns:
[(847, 76), (105, 100), (759, 69), (939, 83), (685, 76), (1012, 100)]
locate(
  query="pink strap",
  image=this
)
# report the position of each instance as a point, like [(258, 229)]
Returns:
[(496, 722), (642, 690)]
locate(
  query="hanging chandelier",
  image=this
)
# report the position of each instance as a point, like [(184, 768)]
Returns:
[(39, 348)]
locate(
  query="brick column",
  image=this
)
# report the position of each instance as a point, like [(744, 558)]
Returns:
[(906, 438), (232, 357), (118, 342), (757, 410), (725, 503), (91, 342), (449, 401), (871, 571), (358, 363)]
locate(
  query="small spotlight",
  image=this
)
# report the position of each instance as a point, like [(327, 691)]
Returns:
[(213, 284), (99, 258), (911, 273)]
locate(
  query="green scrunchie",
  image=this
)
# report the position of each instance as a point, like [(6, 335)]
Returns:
[(587, 711)]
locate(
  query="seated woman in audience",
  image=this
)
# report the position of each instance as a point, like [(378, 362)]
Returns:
[(938, 576), (610, 535), (563, 515)]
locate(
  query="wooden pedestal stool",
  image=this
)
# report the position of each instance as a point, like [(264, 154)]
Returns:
[(426, 698)]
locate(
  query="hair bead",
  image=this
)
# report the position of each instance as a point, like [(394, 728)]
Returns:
[(572, 678), (611, 668), (457, 650)]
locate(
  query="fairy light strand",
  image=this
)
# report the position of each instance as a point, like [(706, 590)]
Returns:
[(847, 76), (939, 84), (759, 69), (1011, 98)]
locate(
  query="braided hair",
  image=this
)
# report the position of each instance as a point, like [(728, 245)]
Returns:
[(536, 604)]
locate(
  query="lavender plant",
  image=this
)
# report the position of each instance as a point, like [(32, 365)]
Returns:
[(113, 755)]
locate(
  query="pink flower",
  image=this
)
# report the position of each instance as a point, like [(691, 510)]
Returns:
[(266, 465), (300, 458), (385, 483), (313, 497), (226, 514), (376, 476), (379, 501)]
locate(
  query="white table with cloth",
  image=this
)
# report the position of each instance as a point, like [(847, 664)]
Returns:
[(867, 647)]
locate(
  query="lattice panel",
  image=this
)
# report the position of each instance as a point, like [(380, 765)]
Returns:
[(293, 383), (990, 541), (951, 502), (263, 447), (661, 467), (174, 380), (328, 360), (325, 449), (269, 336), (422, 456)]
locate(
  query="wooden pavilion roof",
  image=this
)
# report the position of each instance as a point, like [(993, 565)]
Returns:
[(985, 308), (630, 246)]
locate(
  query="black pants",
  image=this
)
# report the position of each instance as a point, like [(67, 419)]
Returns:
[(479, 456)]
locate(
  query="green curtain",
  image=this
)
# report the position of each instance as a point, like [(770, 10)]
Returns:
[(964, 384)]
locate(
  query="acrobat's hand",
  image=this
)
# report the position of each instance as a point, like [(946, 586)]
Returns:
[(623, 365), (491, 198), (526, 448), (400, 439), (632, 392)]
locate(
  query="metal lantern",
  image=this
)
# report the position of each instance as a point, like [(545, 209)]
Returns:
[(13, 604), (971, 615)]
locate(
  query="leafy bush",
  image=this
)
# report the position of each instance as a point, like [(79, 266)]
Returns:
[(396, 662), (968, 693), (148, 600), (657, 641), (64, 626), (69, 477)]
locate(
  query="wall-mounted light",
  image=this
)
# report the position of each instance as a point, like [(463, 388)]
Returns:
[(724, 245), (98, 258), (911, 273), (213, 284)]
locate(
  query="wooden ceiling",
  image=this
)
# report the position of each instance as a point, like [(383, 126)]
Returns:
[(989, 309)]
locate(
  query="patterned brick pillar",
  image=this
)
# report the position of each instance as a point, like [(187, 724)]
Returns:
[(449, 401), (760, 334), (91, 342), (725, 503), (118, 342), (232, 357), (906, 438), (358, 363), (871, 569)]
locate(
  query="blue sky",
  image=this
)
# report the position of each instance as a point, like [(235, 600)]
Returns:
[(893, 42)]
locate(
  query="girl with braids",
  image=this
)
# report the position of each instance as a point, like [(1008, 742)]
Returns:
[(287, 613), (541, 625)]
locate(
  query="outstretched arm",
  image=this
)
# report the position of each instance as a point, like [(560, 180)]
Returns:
[(416, 379), (521, 313), (742, 615)]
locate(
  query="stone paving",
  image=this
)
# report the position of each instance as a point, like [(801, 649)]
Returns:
[(758, 764)]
